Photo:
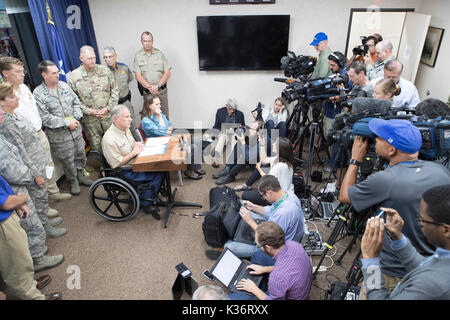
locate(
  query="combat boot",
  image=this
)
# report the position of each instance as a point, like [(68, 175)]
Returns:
[(83, 177), (55, 221), (53, 232), (47, 262), (75, 187), (52, 213), (58, 196)]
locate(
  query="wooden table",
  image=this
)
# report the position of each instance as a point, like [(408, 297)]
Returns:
[(173, 159)]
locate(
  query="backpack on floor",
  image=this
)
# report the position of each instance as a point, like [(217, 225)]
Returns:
[(222, 219), (222, 194), (213, 228)]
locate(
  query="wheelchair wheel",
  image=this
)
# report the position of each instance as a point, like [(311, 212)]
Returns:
[(114, 199)]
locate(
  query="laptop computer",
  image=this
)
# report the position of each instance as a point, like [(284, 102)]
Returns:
[(229, 127), (229, 270)]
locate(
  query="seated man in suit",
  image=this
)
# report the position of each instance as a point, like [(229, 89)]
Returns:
[(120, 149), (227, 114)]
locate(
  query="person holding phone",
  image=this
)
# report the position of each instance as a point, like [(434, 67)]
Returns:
[(427, 277)]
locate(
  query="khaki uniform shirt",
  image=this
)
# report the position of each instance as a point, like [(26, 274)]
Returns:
[(116, 144), (97, 89), (151, 66), (123, 76)]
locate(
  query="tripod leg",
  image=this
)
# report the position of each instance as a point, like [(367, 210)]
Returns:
[(331, 241), (358, 231)]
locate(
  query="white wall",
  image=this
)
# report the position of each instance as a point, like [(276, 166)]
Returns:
[(195, 95), (436, 80)]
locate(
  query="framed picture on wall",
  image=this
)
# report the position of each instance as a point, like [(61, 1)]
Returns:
[(431, 46)]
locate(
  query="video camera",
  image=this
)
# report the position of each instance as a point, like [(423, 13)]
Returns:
[(435, 132), (349, 125), (312, 90), (362, 49), (435, 137), (297, 66)]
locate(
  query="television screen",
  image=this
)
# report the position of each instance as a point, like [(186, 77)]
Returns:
[(242, 42)]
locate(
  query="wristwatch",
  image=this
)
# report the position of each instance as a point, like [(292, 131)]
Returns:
[(355, 162)]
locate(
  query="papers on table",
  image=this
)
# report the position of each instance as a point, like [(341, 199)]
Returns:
[(154, 146)]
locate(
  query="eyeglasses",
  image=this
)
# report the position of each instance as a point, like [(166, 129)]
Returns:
[(108, 57), (420, 220)]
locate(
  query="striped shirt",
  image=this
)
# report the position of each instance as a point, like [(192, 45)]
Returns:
[(291, 276)]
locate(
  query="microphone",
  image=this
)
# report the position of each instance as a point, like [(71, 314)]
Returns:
[(284, 80)]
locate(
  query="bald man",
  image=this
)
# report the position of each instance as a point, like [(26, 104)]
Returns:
[(97, 90), (384, 55), (409, 96)]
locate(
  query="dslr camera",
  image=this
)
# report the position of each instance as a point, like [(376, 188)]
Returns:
[(362, 49)]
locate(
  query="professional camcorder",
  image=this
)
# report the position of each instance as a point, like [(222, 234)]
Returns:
[(435, 137), (349, 125), (312, 90), (297, 66), (362, 49), (435, 132)]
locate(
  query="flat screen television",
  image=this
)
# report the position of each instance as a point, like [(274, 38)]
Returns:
[(242, 42)]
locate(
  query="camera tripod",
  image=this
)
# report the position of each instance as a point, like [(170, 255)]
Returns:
[(343, 212), (300, 128)]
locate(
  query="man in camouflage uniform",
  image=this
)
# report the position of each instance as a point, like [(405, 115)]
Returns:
[(97, 90), (12, 70), (60, 111), (152, 71), (21, 133), (123, 76), (19, 177)]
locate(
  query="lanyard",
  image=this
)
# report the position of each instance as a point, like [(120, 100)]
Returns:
[(282, 199)]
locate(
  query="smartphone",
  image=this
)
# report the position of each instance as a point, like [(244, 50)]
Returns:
[(183, 270), (208, 275)]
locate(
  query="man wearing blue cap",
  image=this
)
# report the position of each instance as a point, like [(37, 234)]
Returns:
[(322, 68), (400, 186)]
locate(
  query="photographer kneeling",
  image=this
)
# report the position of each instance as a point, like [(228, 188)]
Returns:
[(399, 186)]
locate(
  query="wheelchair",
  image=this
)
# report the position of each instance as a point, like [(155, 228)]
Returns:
[(116, 198)]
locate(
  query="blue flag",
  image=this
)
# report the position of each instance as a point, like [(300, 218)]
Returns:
[(59, 57)]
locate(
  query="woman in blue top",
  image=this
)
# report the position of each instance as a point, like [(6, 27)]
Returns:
[(155, 124)]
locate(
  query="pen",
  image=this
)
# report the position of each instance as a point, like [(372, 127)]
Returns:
[(379, 215)]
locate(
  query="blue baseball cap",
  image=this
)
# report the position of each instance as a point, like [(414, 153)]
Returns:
[(318, 38), (401, 134)]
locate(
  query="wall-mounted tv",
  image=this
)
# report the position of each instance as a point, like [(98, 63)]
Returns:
[(242, 42)]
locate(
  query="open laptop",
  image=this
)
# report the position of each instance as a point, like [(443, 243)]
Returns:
[(229, 270), (229, 127)]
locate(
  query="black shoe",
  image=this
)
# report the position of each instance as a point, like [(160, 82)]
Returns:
[(225, 180), (197, 177), (153, 211), (213, 254), (200, 172), (222, 173)]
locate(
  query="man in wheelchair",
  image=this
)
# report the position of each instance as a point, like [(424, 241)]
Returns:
[(120, 148)]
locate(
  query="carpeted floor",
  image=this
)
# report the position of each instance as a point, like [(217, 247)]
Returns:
[(137, 259)]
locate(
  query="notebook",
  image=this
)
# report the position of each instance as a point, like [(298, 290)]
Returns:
[(229, 270)]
